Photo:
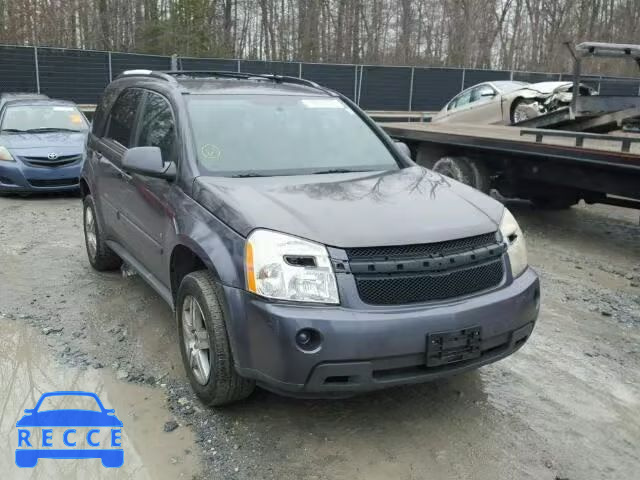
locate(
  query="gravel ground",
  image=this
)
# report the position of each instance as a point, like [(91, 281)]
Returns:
[(566, 406)]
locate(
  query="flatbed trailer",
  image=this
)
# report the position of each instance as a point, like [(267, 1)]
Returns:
[(553, 168)]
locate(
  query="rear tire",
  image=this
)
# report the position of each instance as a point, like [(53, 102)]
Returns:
[(457, 168), (482, 177), (425, 156), (101, 257), (221, 385)]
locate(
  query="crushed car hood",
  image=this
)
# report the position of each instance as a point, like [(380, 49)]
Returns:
[(407, 206), (548, 87)]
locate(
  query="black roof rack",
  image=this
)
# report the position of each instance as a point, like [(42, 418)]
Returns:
[(173, 75)]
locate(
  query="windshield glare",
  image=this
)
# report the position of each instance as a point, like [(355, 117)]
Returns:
[(282, 135), (43, 117)]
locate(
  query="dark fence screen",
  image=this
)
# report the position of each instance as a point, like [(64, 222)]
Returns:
[(531, 77), (385, 88), (73, 74), (131, 61), (474, 76), (17, 69), (433, 87), (208, 64), (341, 78), (81, 75), (275, 68)]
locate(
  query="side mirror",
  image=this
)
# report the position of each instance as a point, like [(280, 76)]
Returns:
[(403, 149), (488, 94), (148, 161)]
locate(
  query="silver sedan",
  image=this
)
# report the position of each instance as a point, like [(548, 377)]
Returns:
[(508, 102)]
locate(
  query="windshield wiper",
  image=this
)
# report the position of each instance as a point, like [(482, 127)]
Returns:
[(336, 170), (247, 175), (50, 129), (13, 130)]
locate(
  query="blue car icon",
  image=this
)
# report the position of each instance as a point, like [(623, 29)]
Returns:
[(27, 455)]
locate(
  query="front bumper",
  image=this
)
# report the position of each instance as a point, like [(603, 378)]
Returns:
[(18, 177), (373, 348)]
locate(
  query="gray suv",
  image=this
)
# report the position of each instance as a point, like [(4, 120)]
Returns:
[(299, 246)]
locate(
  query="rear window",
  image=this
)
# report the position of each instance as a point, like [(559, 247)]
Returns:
[(30, 118), (283, 135)]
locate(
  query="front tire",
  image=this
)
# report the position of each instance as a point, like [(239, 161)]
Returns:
[(204, 342), (523, 109), (101, 257)]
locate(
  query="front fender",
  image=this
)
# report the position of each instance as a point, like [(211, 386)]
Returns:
[(219, 247)]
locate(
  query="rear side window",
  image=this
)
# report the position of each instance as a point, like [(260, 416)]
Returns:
[(157, 126), (123, 114)]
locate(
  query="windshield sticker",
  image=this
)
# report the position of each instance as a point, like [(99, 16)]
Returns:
[(323, 103), (63, 109), (210, 153), (76, 118)]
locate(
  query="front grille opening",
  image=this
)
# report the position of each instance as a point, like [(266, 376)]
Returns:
[(399, 289), (45, 162), (337, 379), (423, 250), (56, 182)]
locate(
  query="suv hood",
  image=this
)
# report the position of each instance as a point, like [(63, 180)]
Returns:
[(407, 206)]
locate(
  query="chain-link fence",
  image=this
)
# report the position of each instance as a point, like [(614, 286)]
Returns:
[(81, 75)]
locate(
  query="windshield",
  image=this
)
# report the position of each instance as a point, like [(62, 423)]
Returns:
[(507, 86), (252, 135), (34, 118)]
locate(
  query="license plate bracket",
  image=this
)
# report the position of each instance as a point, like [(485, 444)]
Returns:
[(454, 346)]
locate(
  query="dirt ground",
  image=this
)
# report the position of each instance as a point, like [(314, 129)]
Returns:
[(566, 406)]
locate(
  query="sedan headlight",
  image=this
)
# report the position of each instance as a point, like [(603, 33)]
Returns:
[(284, 267), (5, 154), (517, 248)]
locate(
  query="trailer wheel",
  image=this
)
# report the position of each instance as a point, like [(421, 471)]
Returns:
[(482, 177), (425, 156), (457, 168), (554, 203)]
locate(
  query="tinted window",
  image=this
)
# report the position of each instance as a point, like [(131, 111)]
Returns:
[(283, 135), (463, 99), (157, 127), (123, 115)]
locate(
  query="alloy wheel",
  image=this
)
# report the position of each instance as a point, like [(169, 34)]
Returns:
[(196, 339)]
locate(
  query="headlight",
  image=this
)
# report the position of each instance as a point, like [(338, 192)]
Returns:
[(517, 248), (5, 154), (284, 267)]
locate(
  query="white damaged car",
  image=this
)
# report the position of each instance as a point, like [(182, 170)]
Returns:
[(508, 102)]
